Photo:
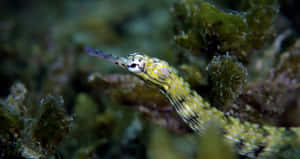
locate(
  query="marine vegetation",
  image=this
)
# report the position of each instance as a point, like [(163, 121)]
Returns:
[(252, 140), (203, 79), (29, 130)]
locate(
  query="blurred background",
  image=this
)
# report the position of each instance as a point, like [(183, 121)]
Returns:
[(58, 102)]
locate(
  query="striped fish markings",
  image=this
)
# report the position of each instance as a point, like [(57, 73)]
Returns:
[(249, 139)]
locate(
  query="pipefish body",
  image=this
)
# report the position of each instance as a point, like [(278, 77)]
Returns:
[(249, 139)]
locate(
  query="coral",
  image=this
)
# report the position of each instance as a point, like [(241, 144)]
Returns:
[(289, 65), (277, 95)]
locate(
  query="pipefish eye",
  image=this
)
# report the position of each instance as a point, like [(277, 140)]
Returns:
[(135, 63)]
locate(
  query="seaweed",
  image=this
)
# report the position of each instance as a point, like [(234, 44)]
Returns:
[(227, 77), (52, 124), (201, 27), (27, 135), (56, 102)]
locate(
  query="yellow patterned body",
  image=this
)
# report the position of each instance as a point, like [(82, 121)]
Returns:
[(249, 139)]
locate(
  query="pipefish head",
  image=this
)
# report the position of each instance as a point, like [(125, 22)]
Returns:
[(149, 69)]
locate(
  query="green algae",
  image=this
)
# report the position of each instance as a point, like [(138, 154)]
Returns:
[(227, 77), (202, 27), (52, 124), (12, 109), (34, 136), (114, 114), (194, 75)]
